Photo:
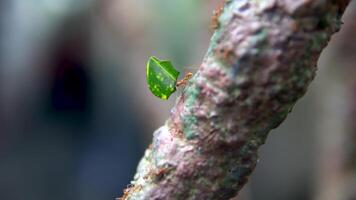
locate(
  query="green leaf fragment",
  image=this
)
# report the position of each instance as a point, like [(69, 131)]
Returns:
[(161, 77)]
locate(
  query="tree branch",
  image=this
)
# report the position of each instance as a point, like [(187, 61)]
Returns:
[(261, 59)]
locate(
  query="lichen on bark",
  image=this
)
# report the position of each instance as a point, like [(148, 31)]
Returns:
[(259, 63)]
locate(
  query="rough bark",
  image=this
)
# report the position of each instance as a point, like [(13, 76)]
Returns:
[(260, 61)]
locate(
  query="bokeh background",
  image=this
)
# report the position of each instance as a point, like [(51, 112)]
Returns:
[(76, 114)]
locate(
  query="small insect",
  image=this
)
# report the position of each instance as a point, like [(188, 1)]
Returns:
[(214, 24), (161, 172), (126, 192), (156, 174), (162, 77), (185, 80), (129, 188)]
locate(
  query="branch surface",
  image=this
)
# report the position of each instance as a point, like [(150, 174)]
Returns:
[(261, 60)]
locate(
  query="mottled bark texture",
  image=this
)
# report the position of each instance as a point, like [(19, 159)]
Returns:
[(261, 59)]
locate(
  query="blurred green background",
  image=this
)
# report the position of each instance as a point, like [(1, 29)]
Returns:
[(76, 114)]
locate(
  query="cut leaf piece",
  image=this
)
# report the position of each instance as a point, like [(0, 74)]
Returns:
[(161, 77)]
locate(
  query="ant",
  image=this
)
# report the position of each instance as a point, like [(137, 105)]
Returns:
[(214, 24), (156, 173), (161, 172), (185, 80), (129, 188)]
